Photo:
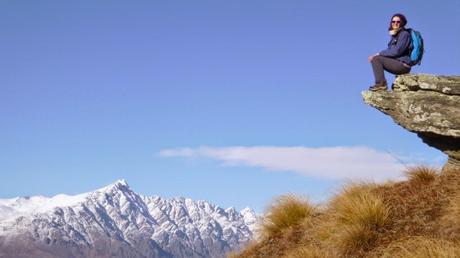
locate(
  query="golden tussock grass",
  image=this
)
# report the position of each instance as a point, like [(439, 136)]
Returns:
[(310, 251), (450, 221), (421, 174), (357, 215), (285, 212), (421, 247), (419, 217)]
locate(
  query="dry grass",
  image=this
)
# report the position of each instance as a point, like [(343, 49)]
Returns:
[(285, 212), (421, 247), (421, 174), (278, 245), (450, 221), (357, 216), (419, 217), (310, 251)]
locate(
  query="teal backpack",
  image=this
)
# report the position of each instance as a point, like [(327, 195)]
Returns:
[(416, 47)]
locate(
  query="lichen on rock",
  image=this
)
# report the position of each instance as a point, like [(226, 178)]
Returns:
[(427, 105)]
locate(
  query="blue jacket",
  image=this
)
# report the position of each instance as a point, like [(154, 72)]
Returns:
[(399, 47)]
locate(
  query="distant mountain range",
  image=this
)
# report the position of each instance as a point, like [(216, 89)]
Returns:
[(114, 221)]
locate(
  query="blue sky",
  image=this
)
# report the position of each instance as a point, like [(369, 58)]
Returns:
[(234, 102)]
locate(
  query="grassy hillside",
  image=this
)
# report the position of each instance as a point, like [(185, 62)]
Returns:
[(419, 217)]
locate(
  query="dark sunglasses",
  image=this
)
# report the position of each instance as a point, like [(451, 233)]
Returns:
[(395, 21)]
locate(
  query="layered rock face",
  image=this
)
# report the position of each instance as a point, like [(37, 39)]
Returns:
[(427, 105)]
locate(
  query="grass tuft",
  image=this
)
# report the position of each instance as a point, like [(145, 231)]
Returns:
[(285, 212), (357, 216), (421, 174)]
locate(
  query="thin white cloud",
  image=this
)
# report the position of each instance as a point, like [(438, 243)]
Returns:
[(360, 163)]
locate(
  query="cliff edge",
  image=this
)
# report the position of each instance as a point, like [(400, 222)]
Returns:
[(427, 105), (417, 217)]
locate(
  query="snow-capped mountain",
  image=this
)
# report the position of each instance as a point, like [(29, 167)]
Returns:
[(114, 221)]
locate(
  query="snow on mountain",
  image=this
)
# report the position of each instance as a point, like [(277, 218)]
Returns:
[(12, 208), (114, 221)]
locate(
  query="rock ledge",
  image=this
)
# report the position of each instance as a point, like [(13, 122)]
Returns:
[(427, 105)]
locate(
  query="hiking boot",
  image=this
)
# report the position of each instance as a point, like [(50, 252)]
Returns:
[(378, 86)]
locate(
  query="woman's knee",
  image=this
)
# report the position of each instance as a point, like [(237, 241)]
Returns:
[(377, 59)]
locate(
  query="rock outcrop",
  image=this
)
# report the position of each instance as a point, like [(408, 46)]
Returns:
[(427, 105)]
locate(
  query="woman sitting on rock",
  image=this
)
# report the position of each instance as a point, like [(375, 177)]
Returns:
[(396, 58)]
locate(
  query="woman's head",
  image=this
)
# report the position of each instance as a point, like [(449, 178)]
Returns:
[(397, 21)]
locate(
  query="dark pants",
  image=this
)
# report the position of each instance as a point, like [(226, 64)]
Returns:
[(381, 63)]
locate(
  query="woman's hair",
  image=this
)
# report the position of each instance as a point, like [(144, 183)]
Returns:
[(403, 20)]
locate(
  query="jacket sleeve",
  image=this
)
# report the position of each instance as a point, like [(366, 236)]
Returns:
[(402, 44)]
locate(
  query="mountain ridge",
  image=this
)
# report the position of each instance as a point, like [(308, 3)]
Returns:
[(114, 221)]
